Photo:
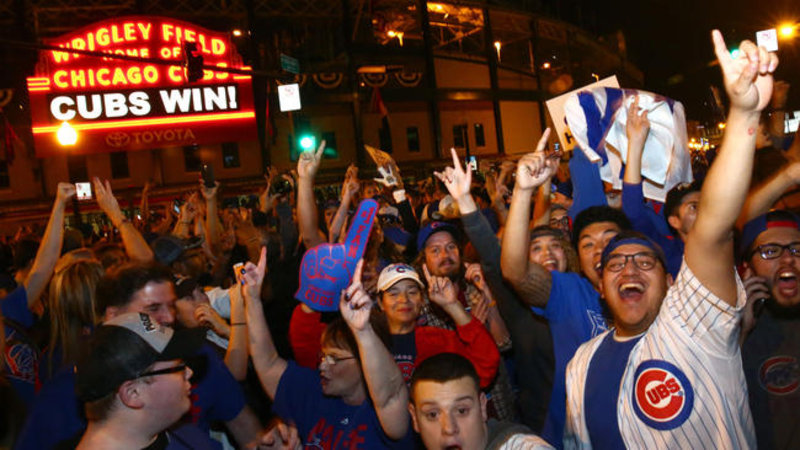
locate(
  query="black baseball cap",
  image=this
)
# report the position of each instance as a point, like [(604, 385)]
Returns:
[(124, 347)]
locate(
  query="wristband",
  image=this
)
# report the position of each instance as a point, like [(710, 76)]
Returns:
[(239, 324)]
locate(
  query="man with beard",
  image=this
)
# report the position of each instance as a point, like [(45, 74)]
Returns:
[(440, 252), (771, 350), (669, 375)]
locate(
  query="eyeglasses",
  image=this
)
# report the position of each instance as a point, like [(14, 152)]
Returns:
[(643, 261), (174, 369), (332, 360), (774, 251)]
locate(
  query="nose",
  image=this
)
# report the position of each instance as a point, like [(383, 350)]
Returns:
[(449, 425), (188, 373), (787, 256)]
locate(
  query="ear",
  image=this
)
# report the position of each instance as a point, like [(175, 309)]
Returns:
[(130, 394), (111, 312), (670, 280), (674, 222), (413, 411), (484, 414), (600, 285)]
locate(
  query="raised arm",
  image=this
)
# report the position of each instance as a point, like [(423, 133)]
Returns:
[(709, 247), (531, 281), (50, 247), (307, 166), (135, 245), (384, 381), (761, 199), (213, 227), (349, 190), (268, 364)]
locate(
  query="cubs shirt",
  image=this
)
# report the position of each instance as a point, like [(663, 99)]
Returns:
[(682, 385)]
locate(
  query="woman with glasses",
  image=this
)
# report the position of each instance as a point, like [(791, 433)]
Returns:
[(357, 398)]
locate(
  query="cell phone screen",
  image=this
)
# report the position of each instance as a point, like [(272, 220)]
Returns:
[(83, 191)]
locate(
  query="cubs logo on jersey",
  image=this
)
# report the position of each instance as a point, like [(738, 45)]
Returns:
[(662, 396), (780, 375)]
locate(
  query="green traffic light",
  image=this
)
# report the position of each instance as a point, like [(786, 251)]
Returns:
[(307, 143)]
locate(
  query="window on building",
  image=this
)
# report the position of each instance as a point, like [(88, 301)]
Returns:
[(191, 158), (76, 167), (412, 136), (119, 165), (460, 136), (480, 139), (230, 155), (5, 181), (331, 150)]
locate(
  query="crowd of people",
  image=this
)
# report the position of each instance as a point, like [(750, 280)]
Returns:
[(494, 310)]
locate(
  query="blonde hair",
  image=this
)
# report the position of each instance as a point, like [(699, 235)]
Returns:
[(71, 306)]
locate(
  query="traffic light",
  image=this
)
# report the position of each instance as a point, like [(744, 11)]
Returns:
[(307, 142), (192, 61)]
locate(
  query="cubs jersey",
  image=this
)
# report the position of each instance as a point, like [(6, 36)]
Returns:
[(683, 384)]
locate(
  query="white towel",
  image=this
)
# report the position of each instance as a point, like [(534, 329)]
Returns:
[(597, 119)]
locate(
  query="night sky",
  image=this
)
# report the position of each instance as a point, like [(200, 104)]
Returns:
[(669, 38)]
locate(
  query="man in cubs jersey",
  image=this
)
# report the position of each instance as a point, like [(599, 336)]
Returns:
[(669, 375)]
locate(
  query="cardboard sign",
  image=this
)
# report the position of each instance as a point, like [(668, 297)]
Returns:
[(556, 108), (327, 269)]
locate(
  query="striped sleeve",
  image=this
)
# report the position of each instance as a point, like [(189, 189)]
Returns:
[(704, 317)]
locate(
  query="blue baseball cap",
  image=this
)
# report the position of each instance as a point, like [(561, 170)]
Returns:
[(778, 218), (632, 237), (434, 227)]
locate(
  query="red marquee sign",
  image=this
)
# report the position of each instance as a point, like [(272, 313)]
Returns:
[(122, 105)]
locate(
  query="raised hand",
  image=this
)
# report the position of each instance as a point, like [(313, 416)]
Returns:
[(748, 77), (536, 168), (64, 192), (457, 181), (387, 178), (308, 163), (355, 304), (440, 289), (253, 277), (106, 200), (637, 127), (207, 316), (474, 275), (209, 193)]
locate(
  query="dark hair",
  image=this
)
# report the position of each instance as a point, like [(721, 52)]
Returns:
[(100, 409), (118, 287), (339, 334), (596, 214), (675, 197), (442, 368)]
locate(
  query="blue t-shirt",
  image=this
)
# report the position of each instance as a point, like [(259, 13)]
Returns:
[(603, 381), (57, 414), (21, 358), (575, 316), (654, 225), (404, 350), (327, 422)]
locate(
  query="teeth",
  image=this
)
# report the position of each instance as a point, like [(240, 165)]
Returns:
[(785, 275), (636, 286)]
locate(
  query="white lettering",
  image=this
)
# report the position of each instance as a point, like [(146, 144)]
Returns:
[(57, 108)]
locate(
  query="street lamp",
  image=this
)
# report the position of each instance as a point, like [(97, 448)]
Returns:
[(66, 135), (787, 30)]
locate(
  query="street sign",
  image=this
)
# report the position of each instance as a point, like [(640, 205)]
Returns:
[(289, 64)]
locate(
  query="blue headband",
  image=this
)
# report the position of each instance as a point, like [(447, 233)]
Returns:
[(644, 241)]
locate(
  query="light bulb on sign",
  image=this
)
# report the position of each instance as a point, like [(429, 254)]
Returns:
[(66, 135)]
